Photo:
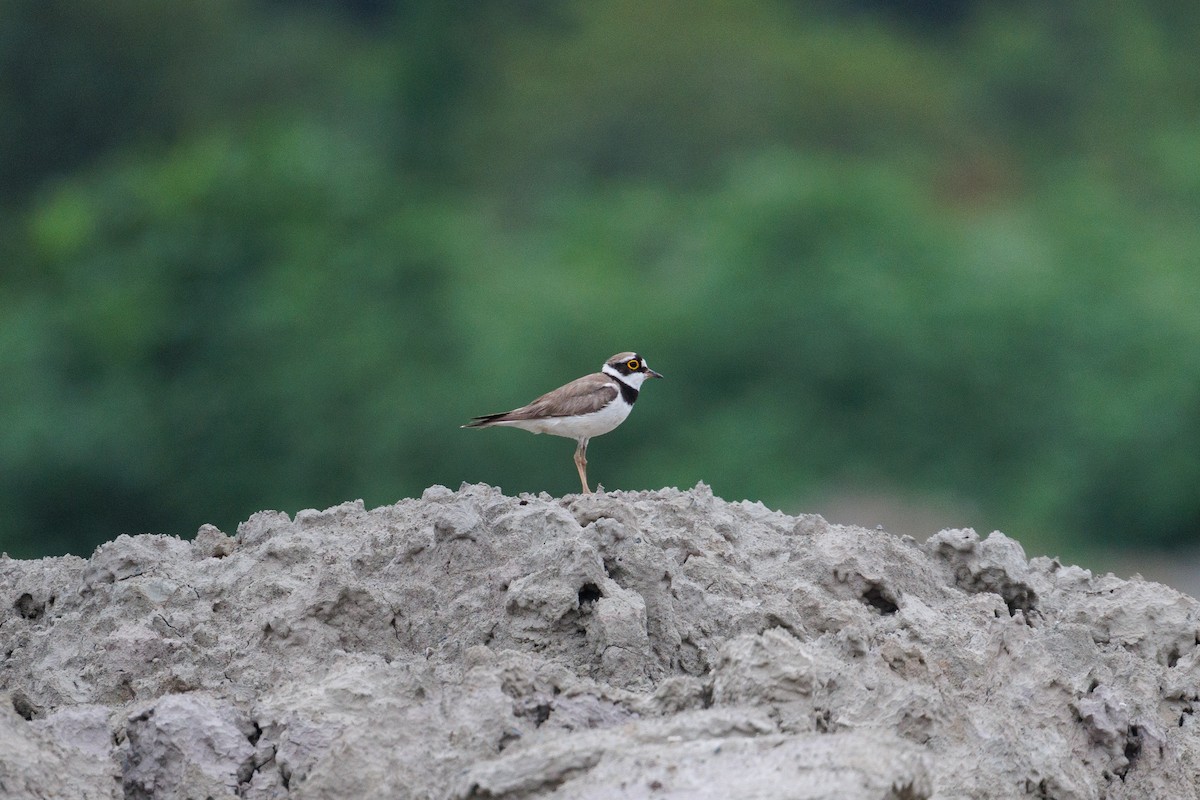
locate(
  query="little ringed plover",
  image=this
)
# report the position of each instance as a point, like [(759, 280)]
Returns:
[(585, 407)]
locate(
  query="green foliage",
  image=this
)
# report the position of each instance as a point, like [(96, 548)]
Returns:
[(274, 254)]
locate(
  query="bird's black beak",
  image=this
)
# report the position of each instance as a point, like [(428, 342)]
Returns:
[(651, 373)]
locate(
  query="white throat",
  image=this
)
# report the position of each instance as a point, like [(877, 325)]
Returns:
[(633, 380)]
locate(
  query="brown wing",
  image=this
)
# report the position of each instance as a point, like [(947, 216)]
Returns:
[(582, 396)]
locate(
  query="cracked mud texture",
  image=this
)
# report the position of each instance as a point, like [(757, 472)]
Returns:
[(664, 644)]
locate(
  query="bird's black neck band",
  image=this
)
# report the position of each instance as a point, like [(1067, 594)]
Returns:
[(628, 393)]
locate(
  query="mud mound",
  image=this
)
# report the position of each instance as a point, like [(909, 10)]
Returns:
[(646, 645)]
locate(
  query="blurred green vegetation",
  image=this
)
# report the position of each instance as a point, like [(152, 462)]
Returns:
[(271, 253)]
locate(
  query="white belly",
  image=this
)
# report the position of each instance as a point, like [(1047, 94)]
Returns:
[(584, 427)]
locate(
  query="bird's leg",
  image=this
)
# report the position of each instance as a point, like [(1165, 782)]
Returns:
[(581, 464)]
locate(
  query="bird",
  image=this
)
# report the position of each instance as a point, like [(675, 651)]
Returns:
[(586, 407)]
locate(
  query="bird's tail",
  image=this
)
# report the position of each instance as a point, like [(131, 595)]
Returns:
[(484, 421)]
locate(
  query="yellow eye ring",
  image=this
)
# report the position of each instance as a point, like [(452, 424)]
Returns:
[(633, 364)]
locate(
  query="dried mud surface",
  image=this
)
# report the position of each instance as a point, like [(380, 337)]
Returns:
[(664, 644)]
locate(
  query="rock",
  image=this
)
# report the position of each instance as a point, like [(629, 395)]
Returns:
[(187, 745), (35, 765), (661, 644), (84, 728)]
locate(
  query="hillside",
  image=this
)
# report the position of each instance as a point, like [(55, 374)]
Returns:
[(663, 644)]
